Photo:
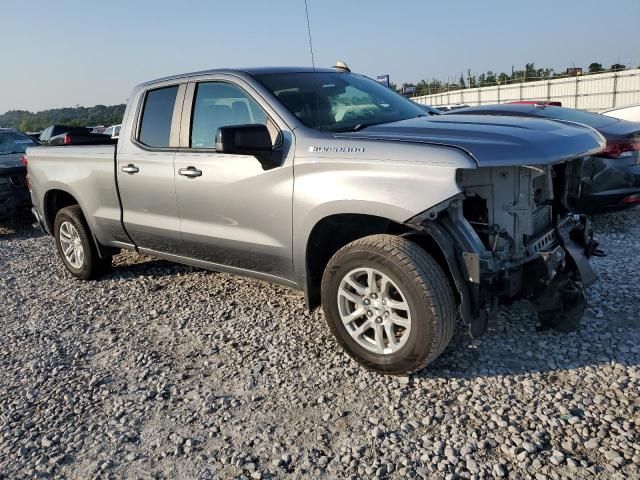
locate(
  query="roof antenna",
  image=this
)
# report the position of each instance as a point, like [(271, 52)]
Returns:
[(313, 63)]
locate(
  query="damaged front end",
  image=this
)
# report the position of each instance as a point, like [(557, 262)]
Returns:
[(513, 236)]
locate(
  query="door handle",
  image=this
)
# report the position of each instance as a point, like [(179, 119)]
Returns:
[(190, 172), (130, 169)]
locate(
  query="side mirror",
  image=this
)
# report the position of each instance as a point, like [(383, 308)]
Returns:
[(244, 139)]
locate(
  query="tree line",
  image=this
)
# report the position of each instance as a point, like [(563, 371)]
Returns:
[(530, 73), (73, 116)]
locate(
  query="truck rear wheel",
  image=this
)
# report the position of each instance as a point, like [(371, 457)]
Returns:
[(388, 303), (75, 245)]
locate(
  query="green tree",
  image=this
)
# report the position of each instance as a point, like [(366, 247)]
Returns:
[(530, 72), (616, 67), (595, 67), (75, 116)]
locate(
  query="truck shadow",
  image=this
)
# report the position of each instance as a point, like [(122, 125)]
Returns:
[(513, 347), (130, 264)]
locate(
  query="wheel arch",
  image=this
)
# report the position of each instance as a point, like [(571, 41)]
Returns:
[(55, 200), (335, 231)]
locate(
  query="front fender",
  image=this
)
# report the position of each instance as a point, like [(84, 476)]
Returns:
[(395, 191)]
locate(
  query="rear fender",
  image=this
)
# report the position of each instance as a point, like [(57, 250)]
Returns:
[(47, 223)]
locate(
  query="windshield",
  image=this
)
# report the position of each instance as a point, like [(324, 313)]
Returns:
[(337, 101), (14, 142), (593, 120)]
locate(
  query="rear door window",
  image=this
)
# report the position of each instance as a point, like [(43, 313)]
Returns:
[(157, 113)]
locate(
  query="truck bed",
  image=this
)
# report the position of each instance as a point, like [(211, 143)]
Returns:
[(87, 173)]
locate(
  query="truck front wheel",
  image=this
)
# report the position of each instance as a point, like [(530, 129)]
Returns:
[(75, 245), (388, 303)]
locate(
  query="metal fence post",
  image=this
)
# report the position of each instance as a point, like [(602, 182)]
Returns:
[(615, 89), (520, 91), (548, 90), (575, 101)]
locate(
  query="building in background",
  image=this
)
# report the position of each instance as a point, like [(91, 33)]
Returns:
[(408, 90), (384, 80)]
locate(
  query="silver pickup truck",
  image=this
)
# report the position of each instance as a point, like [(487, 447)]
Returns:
[(403, 226)]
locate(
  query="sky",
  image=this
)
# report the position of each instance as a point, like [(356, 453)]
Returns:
[(83, 52)]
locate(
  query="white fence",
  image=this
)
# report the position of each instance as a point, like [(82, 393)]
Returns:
[(595, 92)]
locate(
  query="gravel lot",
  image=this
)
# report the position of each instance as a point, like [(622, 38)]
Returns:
[(165, 371)]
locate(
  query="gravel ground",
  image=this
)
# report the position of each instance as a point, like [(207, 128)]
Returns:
[(165, 371)]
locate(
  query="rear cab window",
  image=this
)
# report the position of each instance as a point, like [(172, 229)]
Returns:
[(157, 115)]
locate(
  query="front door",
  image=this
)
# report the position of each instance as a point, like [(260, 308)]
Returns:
[(234, 211), (145, 172)]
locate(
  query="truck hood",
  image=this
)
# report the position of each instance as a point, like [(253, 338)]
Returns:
[(493, 141)]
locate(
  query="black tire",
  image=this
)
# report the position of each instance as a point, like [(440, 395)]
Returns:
[(92, 266), (426, 289)]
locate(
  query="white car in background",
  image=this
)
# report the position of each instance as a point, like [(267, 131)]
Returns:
[(630, 113), (113, 131)]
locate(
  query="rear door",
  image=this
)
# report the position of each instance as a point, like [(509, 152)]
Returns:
[(145, 169), (235, 211)]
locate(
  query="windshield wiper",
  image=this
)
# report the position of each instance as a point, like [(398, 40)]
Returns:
[(362, 126), (358, 127)]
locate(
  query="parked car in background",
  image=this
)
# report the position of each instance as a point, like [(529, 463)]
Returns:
[(54, 130), (397, 222), (610, 179), (535, 102), (80, 138), (34, 135), (113, 131), (66, 135), (630, 113), (14, 194)]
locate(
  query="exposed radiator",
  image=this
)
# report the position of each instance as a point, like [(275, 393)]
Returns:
[(541, 218)]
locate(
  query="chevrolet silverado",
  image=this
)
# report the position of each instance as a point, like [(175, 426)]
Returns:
[(403, 226)]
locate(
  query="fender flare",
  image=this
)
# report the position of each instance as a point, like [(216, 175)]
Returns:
[(103, 252), (473, 316)]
